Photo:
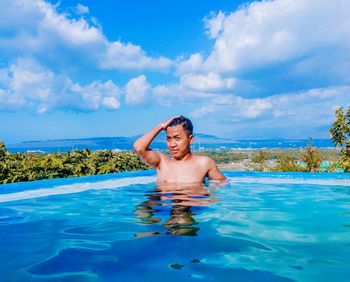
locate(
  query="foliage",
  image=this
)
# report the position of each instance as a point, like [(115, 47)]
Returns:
[(223, 156), (287, 163), (258, 161), (334, 166), (28, 166), (340, 135), (259, 157), (311, 157), (274, 159), (3, 154), (2, 148)]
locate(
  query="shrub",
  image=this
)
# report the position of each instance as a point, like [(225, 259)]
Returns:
[(28, 166), (287, 163), (311, 157)]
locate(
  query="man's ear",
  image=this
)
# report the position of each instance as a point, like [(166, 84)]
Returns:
[(191, 138)]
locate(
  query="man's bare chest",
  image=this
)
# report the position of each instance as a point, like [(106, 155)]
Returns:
[(181, 172)]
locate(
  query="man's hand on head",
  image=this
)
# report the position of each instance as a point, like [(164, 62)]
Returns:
[(166, 123)]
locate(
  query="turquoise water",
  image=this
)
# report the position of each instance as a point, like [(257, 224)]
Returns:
[(122, 227)]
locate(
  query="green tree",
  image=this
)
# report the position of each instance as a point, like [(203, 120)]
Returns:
[(259, 159), (340, 135), (286, 162), (311, 157), (2, 148), (3, 155)]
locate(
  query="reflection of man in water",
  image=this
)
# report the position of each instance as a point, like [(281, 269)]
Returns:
[(182, 167), (181, 198)]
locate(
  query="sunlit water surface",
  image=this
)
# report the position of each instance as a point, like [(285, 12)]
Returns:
[(123, 227)]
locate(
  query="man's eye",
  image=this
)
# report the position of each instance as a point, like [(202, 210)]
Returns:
[(177, 138)]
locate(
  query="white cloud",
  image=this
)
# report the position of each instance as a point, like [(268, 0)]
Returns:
[(209, 82), (294, 115), (73, 32), (34, 31), (93, 96), (193, 64), (8, 102), (193, 87), (256, 108), (175, 93), (234, 107), (129, 56), (81, 9), (136, 90), (111, 102), (273, 32), (29, 86), (36, 28), (214, 24), (290, 113), (268, 47)]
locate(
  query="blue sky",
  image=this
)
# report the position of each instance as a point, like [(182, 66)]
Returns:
[(238, 69)]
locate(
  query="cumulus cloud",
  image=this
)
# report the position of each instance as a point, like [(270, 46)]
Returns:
[(235, 107), (136, 90), (175, 93), (90, 97), (129, 56), (276, 32), (208, 82), (40, 48), (27, 85), (193, 64), (192, 87), (290, 113), (36, 28)]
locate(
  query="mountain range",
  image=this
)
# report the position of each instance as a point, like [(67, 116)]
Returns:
[(100, 141)]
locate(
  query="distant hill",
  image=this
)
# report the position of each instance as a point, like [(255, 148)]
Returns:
[(112, 141), (95, 141), (202, 141)]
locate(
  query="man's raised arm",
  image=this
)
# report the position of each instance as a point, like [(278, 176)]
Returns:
[(141, 145)]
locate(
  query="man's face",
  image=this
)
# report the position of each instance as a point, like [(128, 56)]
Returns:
[(178, 141)]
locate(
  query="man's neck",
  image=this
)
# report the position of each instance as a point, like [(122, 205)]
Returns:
[(186, 157)]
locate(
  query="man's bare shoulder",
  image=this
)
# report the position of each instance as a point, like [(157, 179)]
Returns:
[(212, 169), (205, 161)]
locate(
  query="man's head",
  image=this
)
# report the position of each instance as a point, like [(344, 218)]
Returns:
[(185, 122), (179, 134)]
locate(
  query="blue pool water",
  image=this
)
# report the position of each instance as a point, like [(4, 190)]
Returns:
[(122, 227)]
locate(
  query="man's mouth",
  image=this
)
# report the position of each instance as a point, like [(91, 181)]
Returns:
[(174, 151)]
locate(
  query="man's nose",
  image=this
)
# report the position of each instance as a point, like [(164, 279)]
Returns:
[(172, 143)]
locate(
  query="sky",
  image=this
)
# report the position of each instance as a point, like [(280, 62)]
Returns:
[(237, 69)]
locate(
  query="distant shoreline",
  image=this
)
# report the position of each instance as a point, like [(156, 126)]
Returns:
[(59, 146)]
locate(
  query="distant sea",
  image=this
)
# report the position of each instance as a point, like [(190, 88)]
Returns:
[(48, 147)]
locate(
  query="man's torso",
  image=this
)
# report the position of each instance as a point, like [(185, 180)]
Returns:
[(190, 171)]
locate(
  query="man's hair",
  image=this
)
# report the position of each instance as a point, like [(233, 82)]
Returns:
[(185, 122)]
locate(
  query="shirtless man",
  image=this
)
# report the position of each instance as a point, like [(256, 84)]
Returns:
[(182, 167)]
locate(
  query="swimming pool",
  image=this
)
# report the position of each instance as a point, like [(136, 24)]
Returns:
[(122, 227)]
